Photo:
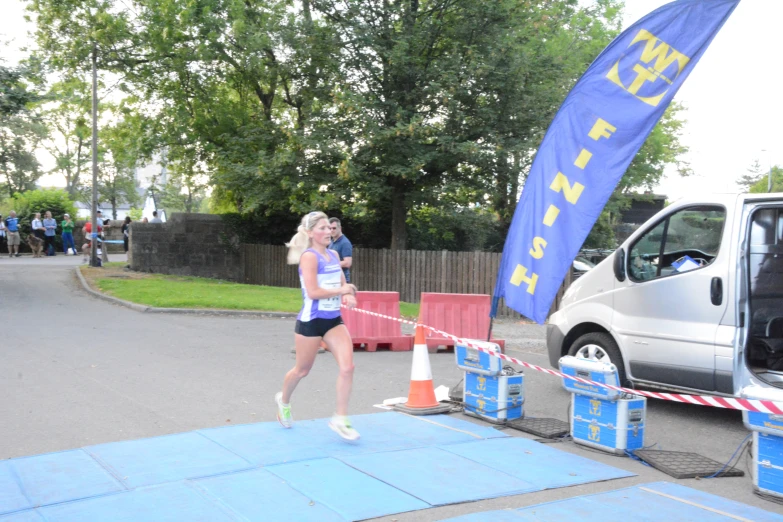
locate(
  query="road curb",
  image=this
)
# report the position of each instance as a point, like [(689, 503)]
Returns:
[(183, 311)]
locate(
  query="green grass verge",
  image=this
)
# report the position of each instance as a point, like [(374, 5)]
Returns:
[(165, 291)]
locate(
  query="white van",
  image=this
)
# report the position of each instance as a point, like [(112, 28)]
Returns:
[(692, 301)]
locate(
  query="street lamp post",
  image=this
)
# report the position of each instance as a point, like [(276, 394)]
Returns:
[(94, 216)]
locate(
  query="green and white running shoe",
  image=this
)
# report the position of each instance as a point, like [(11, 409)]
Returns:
[(284, 416), (342, 426)]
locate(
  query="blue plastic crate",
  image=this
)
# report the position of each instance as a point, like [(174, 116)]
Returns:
[(768, 423), (596, 371), (767, 466), (497, 399), (612, 426), (472, 360)]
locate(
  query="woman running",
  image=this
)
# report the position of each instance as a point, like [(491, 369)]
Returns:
[(323, 290)]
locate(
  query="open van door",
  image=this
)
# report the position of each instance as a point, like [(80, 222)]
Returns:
[(668, 307), (761, 298)]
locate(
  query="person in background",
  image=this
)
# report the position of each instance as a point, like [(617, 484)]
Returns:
[(155, 218), (12, 234), (126, 232), (50, 230), (2, 230), (67, 226), (145, 220), (37, 226), (342, 246), (87, 232)]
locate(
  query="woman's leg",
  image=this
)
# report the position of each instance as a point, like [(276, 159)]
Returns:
[(306, 350), (339, 342)]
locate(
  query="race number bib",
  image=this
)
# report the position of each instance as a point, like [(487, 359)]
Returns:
[(330, 304)]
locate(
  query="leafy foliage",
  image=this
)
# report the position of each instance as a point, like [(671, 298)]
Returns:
[(401, 118), (20, 131), (27, 204)]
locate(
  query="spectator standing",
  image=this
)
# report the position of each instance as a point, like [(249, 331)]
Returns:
[(155, 218), (12, 234), (342, 246), (2, 229), (37, 226), (50, 230), (67, 226), (126, 232)]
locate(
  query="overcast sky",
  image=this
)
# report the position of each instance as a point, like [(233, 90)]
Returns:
[(733, 100)]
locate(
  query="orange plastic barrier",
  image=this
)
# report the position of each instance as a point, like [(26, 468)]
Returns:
[(374, 332), (463, 315)]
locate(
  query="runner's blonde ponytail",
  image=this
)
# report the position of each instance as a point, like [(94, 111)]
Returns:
[(301, 240)]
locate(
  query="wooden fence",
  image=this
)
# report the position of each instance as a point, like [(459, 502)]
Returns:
[(409, 272)]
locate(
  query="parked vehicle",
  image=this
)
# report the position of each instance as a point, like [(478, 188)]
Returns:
[(580, 266), (692, 301)]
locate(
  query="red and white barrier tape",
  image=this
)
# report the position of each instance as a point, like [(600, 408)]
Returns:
[(732, 403)]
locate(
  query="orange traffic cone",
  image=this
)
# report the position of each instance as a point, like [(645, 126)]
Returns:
[(421, 397)]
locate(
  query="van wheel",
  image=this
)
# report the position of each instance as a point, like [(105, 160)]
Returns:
[(597, 346)]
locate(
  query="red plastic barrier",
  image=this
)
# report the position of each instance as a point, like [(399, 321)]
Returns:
[(373, 332), (463, 315)]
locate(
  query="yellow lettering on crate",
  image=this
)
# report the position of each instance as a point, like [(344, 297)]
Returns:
[(482, 383), (595, 407), (539, 244), (520, 276), (551, 215), (594, 433), (571, 192), (481, 405)]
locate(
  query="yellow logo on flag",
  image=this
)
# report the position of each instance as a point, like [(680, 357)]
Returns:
[(656, 59)]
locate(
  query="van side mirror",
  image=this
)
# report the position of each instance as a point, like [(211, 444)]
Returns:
[(619, 264)]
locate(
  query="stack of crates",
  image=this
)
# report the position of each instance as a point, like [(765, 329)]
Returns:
[(602, 418), (767, 449), (490, 392)]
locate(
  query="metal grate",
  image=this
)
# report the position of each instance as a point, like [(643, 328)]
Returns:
[(680, 464), (546, 428)]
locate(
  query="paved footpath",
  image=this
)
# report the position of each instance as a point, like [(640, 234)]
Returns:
[(76, 371)]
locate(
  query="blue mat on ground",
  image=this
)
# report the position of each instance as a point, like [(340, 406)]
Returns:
[(52, 478), (543, 465), (165, 459), (662, 501), (437, 476), (260, 495), (262, 472), (352, 494), (174, 502)]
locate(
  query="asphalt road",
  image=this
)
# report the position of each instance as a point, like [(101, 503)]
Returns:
[(78, 371)]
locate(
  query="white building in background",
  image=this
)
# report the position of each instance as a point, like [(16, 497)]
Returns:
[(156, 172)]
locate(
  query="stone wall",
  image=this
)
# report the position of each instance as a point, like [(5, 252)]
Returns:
[(187, 244)]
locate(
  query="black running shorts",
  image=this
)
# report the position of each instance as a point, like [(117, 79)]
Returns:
[(317, 327)]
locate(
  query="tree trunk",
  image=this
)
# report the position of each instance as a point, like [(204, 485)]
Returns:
[(399, 214)]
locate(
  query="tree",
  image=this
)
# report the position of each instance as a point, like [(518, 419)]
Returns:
[(118, 155), (20, 131), (67, 115), (753, 175), (185, 188), (760, 187)]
